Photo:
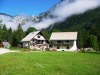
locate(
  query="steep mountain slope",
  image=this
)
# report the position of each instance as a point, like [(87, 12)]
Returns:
[(78, 22), (48, 13)]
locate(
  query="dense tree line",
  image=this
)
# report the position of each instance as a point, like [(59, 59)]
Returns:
[(14, 37)]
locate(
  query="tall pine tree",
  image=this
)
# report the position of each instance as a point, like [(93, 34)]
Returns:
[(93, 42), (18, 35), (5, 33), (30, 29), (10, 38)]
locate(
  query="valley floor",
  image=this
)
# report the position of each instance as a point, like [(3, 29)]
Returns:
[(50, 63)]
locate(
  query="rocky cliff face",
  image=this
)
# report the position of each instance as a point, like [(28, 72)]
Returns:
[(19, 19)]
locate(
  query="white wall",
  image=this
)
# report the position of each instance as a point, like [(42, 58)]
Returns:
[(25, 44), (62, 47), (54, 47), (41, 37), (74, 48)]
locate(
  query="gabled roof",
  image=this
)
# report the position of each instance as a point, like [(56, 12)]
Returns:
[(63, 36), (6, 44), (30, 36)]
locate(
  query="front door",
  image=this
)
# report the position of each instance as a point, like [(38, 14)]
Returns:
[(58, 47)]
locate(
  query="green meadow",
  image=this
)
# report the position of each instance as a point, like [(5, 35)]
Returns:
[(50, 63)]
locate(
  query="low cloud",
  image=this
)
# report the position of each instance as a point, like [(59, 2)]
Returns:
[(65, 10), (27, 25)]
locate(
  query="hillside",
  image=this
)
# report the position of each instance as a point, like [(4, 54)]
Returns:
[(86, 24), (78, 22)]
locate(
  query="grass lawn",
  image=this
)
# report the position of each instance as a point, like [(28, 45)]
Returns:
[(50, 63)]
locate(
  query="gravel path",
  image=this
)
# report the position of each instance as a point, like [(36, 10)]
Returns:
[(3, 51)]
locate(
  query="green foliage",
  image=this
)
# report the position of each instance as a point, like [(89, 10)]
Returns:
[(18, 35), (30, 29), (1, 32), (81, 40), (10, 37), (55, 30), (5, 33), (46, 33), (93, 42), (13, 37)]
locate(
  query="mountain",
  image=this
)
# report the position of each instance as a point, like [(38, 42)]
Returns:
[(5, 14), (48, 14), (11, 21), (26, 21), (78, 22)]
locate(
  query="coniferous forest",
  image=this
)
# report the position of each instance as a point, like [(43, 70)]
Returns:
[(14, 37)]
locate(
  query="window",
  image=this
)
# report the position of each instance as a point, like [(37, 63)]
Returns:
[(38, 40), (67, 47), (67, 42), (38, 36), (58, 41), (53, 41)]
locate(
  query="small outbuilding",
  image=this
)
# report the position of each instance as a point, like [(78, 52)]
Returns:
[(6, 44)]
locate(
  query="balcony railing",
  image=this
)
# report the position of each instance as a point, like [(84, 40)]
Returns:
[(63, 43)]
